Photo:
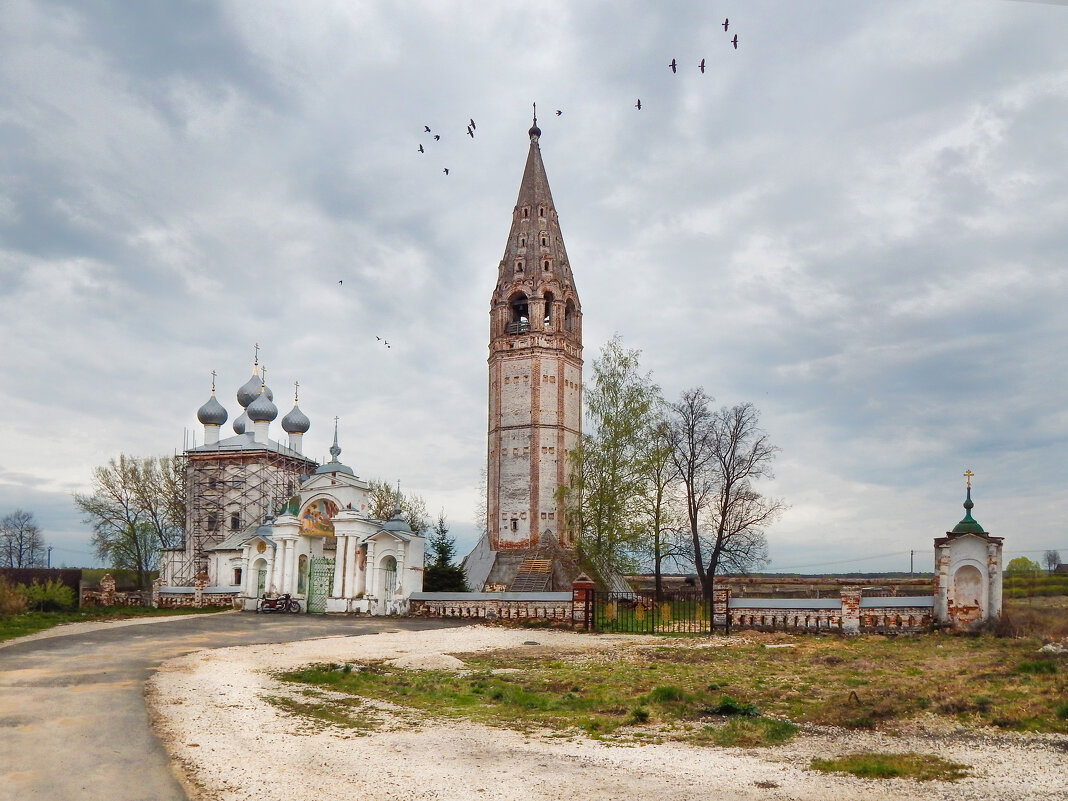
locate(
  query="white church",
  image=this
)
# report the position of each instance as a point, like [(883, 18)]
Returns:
[(262, 518)]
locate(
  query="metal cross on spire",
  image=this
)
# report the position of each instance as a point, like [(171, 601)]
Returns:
[(968, 474), (213, 374), (335, 449), (263, 377), (255, 356), (535, 113), (296, 393)]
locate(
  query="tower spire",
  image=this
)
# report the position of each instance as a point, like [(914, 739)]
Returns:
[(335, 450)]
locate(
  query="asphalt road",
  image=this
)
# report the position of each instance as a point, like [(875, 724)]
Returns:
[(73, 722)]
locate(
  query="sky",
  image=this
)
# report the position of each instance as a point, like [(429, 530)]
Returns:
[(855, 220)]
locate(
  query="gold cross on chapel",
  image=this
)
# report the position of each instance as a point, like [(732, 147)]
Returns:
[(968, 475)]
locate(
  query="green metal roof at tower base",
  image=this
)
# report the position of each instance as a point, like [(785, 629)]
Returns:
[(969, 525)]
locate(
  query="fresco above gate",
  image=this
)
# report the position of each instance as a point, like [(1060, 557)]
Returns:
[(315, 520)]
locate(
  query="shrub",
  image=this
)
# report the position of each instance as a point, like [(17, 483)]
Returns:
[(638, 715), (728, 706), (1037, 667), (666, 694), (52, 596), (1062, 711), (12, 599)]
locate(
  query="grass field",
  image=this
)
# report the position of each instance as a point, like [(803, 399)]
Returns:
[(678, 689), (12, 626)]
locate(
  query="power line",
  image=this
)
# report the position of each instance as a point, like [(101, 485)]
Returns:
[(846, 561)]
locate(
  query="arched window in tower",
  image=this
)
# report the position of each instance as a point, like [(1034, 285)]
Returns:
[(545, 265), (569, 316), (522, 241), (519, 315), (526, 211), (549, 309), (544, 240), (541, 211), (519, 265)]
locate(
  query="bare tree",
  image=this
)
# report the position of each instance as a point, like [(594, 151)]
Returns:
[(159, 490), (123, 534), (21, 542), (719, 455), (661, 502), (1052, 559), (382, 499)]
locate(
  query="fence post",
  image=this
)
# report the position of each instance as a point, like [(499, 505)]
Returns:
[(721, 606), (851, 609), (581, 594)]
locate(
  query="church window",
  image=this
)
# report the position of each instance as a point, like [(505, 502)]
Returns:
[(235, 521), (544, 449), (522, 241), (213, 522), (549, 309), (545, 265), (515, 524), (544, 241), (237, 577), (552, 515), (543, 515), (515, 451), (519, 322), (552, 449), (541, 211), (526, 211), (569, 316), (519, 265)]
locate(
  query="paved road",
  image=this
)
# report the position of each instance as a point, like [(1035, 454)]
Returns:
[(73, 723)]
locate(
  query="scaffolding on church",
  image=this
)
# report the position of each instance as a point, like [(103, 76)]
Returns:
[(229, 493)]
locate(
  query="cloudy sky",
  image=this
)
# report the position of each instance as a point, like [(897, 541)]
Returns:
[(856, 220)]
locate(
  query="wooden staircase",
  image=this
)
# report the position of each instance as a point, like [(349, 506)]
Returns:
[(532, 575)]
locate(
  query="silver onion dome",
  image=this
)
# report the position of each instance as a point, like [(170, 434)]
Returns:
[(262, 410), (251, 390), (241, 423), (212, 413), (296, 422)]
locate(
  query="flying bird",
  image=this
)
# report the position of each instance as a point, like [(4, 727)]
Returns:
[(471, 122), (426, 128), (446, 170), (726, 22), (558, 112), (341, 282), (471, 132), (378, 337), (421, 149), (701, 66), (734, 41), (638, 105), (674, 66), (437, 137)]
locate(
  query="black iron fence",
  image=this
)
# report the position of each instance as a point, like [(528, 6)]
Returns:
[(645, 613)]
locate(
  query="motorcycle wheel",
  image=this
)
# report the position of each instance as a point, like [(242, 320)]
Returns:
[(294, 606)]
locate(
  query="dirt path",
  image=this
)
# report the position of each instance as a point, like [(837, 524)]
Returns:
[(212, 713), (73, 723)]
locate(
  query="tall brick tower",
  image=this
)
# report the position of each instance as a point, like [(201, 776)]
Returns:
[(535, 371)]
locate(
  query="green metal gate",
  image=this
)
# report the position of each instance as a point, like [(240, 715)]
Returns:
[(319, 581)]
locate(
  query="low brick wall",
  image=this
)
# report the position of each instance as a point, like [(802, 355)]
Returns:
[(850, 613), (199, 596), (107, 595), (493, 605)]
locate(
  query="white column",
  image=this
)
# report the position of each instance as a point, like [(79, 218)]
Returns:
[(402, 553), (296, 442), (291, 567), (361, 575), (211, 434), (274, 571), (372, 574), (337, 589), (350, 568)]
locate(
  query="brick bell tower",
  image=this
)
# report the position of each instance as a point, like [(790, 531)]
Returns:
[(535, 371)]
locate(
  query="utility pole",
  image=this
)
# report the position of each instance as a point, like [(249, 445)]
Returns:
[(912, 556), (49, 557)]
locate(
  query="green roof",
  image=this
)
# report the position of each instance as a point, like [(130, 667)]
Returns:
[(969, 525)]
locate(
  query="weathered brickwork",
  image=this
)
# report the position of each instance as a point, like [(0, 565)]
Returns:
[(535, 371), (494, 610)]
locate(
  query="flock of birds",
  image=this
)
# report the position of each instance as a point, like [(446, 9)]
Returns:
[(472, 127), (674, 65)]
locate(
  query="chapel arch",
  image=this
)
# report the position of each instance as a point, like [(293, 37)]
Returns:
[(969, 602)]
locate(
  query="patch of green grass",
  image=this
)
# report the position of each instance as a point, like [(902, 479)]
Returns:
[(666, 694), (1037, 667), (32, 622), (348, 713), (746, 733), (922, 767), (1062, 711), (728, 706)]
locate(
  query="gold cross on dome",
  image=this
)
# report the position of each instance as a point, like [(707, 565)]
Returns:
[(296, 390), (968, 475), (213, 374)]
